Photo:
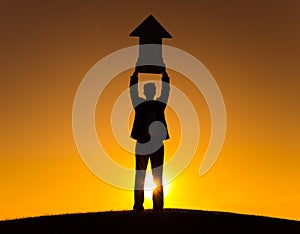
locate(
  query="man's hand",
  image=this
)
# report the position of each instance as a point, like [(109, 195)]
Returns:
[(164, 73), (136, 72)]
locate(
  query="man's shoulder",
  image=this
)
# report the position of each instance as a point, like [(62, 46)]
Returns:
[(159, 102), (149, 104)]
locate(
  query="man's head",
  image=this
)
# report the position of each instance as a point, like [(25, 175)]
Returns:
[(150, 91)]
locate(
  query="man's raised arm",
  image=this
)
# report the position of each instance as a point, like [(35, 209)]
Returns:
[(165, 88), (134, 93)]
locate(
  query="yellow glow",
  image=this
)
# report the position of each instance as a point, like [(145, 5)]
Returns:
[(150, 186)]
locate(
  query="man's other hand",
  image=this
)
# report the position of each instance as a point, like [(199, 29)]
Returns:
[(164, 73), (136, 72)]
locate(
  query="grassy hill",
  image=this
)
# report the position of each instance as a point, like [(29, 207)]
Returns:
[(170, 221)]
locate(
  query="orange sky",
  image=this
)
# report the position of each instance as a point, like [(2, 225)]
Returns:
[(251, 49)]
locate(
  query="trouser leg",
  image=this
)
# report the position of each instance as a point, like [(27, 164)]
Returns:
[(141, 166), (157, 160)]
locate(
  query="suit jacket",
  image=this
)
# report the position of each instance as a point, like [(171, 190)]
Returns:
[(148, 111)]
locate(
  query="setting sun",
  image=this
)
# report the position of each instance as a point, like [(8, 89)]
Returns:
[(150, 186)]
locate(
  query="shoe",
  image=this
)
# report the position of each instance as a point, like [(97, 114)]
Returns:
[(138, 209), (157, 211)]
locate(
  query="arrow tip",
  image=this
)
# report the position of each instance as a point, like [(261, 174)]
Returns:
[(150, 26)]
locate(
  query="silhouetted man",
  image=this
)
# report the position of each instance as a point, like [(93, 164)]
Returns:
[(149, 130)]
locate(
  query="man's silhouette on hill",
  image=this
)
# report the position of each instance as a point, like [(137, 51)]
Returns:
[(149, 130)]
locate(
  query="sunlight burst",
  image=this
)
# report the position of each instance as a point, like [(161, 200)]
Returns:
[(150, 186)]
